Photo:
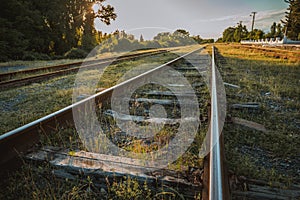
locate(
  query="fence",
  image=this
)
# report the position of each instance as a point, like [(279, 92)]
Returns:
[(271, 41)]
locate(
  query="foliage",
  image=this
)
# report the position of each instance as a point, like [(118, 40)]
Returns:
[(292, 20), (257, 34), (236, 34), (275, 31), (76, 53), (142, 38), (120, 41), (179, 38), (49, 27), (200, 40), (272, 82), (130, 189), (34, 56)]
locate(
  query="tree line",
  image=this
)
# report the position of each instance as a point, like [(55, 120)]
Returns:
[(236, 34), (54, 29), (289, 27), (121, 41), (44, 29)]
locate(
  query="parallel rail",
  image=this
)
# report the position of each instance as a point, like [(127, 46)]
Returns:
[(22, 139), (8, 80), (218, 188)]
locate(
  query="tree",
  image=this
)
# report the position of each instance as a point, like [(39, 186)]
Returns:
[(272, 32), (228, 35), (162, 36), (257, 34), (292, 20), (142, 38), (50, 27), (182, 32), (235, 34), (198, 39), (279, 32), (273, 29), (123, 44), (121, 41), (17, 22)]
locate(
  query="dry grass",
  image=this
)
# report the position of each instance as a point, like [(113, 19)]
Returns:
[(24, 65), (258, 53), (273, 83), (22, 105)]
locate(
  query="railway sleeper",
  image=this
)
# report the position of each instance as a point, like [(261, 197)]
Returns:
[(106, 169)]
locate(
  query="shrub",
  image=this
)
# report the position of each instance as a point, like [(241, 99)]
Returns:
[(29, 55), (76, 53)]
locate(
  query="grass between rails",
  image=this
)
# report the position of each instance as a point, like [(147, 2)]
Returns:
[(24, 104), (272, 82), (24, 65), (15, 66), (38, 182)]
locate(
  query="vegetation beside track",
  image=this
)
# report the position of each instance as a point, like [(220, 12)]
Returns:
[(272, 81)]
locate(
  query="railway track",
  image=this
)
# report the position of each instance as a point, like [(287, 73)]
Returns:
[(14, 79), (21, 143)]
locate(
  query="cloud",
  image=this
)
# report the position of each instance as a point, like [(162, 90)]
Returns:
[(215, 26), (218, 19), (265, 19), (271, 15)]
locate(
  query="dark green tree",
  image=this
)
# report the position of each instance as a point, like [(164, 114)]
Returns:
[(272, 33), (228, 35), (182, 33), (235, 34), (292, 20), (279, 32), (257, 34), (198, 39), (50, 27), (142, 38), (273, 29)]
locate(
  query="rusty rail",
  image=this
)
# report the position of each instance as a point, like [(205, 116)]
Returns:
[(19, 141), (7, 79)]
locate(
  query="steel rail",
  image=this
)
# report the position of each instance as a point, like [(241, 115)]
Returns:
[(64, 69), (217, 183), (9, 75), (22, 139)]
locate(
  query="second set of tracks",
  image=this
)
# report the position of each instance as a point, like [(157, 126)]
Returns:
[(25, 77), (18, 142)]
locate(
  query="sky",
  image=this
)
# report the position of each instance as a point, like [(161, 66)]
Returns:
[(207, 18)]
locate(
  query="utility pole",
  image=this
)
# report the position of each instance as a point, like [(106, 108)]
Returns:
[(253, 15)]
